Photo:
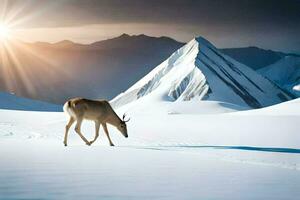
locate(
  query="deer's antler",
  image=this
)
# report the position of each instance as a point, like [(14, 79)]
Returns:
[(124, 115)]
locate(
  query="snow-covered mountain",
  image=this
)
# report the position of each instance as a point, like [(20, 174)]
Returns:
[(285, 73), (12, 102), (199, 70)]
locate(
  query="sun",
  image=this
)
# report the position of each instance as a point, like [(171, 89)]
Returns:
[(4, 32)]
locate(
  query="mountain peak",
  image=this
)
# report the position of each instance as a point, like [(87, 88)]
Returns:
[(202, 41), (124, 35), (64, 42), (200, 71)]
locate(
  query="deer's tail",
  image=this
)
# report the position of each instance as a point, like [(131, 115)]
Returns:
[(68, 108)]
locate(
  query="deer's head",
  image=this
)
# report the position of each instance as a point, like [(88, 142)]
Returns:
[(122, 126)]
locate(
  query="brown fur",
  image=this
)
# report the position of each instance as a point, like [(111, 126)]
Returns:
[(99, 111)]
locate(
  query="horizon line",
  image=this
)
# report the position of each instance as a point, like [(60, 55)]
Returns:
[(142, 34)]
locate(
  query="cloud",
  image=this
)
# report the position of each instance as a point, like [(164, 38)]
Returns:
[(187, 12), (266, 23)]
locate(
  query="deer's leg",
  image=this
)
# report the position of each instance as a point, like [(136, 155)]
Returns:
[(107, 134), (78, 131), (71, 121), (97, 127)]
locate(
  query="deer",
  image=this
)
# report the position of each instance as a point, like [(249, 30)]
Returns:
[(99, 111)]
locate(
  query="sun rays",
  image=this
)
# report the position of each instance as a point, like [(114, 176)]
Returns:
[(4, 32), (20, 62)]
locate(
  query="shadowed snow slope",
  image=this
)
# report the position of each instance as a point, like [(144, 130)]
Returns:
[(199, 71), (285, 73), (291, 108), (12, 102)]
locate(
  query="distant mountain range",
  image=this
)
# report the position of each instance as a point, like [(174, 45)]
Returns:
[(281, 68), (56, 72), (255, 57), (285, 73)]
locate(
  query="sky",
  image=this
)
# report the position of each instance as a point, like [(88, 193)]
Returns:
[(270, 24)]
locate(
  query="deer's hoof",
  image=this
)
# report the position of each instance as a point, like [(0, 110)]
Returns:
[(88, 143), (65, 144), (112, 145)]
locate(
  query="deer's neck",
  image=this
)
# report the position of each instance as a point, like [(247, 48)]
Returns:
[(114, 119)]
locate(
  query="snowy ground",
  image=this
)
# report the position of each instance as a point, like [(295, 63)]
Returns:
[(180, 154)]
